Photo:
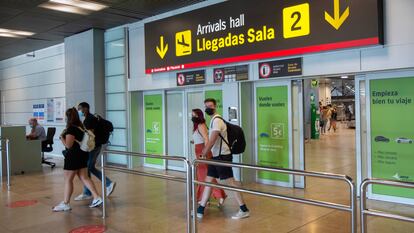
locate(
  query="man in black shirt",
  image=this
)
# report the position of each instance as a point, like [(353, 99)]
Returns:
[(91, 123)]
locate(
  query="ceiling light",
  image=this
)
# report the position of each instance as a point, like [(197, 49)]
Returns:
[(92, 6), (344, 77), (3, 34), (14, 33), (64, 8)]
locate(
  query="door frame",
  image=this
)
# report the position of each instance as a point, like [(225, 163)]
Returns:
[(272, 83), (187, 147), (299, 181), (183, 101)]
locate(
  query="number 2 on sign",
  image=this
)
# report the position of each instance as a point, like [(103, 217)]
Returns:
[(296, 21)]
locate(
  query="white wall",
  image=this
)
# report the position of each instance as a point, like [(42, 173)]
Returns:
[(84, 63), (325, 95), (396, 54), (25, 81)]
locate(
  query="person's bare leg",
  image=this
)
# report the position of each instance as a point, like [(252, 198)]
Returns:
[(69, 176), (206, 192), (244, 211), (237, 195), (83, 176)]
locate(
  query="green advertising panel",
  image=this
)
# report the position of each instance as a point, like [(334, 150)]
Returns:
[(392, 133), (154, 137), (315, 117), (273, 130), (218, 96)]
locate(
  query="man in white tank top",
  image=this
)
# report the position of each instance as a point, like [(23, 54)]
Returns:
[(221, 152)]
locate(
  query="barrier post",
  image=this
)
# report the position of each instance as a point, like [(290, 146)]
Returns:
[(103, 183), (8, 163), (352, 207), (186, 180), (188, 186), (354, 215), (363, 206), (194, 192), (364, 211)]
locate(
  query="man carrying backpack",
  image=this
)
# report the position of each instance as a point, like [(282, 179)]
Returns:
[(94, 124), (218, 143)]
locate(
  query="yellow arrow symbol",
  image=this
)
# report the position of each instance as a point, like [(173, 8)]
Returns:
[(338, 19), (162, 50)]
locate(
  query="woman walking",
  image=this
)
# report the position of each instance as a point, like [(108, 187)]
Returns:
[(334, 118), (200, 139), (75, 161)]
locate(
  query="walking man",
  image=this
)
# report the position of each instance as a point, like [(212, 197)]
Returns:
[(91, 123), (221, 152)]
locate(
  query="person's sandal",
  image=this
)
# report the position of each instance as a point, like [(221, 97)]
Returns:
[(221, 202)]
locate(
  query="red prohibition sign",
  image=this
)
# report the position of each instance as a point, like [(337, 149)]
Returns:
[(89, 229)]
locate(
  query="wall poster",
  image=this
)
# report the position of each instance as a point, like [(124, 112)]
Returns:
[(392, 133), (50, 110), (39, 112), (59, 110), (154, 129), (273, 149)]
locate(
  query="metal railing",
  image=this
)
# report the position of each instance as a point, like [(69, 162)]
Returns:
[(6, 150), (364, 211), (350, 208), (186, 180)]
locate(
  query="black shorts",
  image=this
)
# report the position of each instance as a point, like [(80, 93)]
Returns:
[(221, 172)]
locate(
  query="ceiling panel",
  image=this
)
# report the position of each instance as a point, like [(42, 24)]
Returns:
[(52, 27), (31, 23)]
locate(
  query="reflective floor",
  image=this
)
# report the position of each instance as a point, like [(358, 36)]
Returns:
[(150, 205)]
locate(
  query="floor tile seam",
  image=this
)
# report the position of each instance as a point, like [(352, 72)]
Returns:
[(315, 220)]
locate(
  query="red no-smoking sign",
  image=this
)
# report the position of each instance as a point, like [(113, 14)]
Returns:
[(24, 203), (89, 229)]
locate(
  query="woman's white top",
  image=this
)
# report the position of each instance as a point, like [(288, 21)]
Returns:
[(197, 137)]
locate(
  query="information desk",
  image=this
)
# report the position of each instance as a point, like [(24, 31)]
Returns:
[(25, 155)]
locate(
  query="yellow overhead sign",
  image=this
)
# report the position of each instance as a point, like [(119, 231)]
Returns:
[(296, 21), (162, 49), (338, 18), (183, 44), (239, 31)]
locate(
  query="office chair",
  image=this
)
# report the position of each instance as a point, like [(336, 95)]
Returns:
[(47, 145)]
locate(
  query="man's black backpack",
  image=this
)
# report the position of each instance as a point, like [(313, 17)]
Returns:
[(103, 130), (235, 135)]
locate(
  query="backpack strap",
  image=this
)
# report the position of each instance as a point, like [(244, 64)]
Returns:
[(84, 131), (222, 138)]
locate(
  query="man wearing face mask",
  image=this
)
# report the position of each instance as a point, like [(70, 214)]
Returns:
[(37, 131), (221, 152), (91, 123)]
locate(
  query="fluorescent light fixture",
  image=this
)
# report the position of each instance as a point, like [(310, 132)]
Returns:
[(4, 34), (14, 33), (92, 6), (344, 77), (64, 8)]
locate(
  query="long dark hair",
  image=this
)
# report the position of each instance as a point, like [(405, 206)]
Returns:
[(72, 117), (199, 113)]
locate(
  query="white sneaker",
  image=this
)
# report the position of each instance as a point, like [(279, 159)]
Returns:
[(110, 189), (241, 215), (200, 216), (83, 197), (61, 207), (96, 202)]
